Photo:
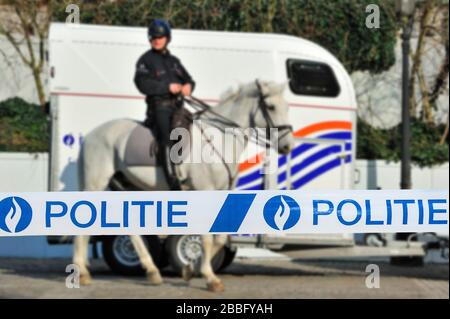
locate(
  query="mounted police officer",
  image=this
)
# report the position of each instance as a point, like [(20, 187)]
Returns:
[(163, 79)]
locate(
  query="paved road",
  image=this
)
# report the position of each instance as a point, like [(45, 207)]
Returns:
[(245, 278)]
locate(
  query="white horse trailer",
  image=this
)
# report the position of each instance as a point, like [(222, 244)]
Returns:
[(91, 82)]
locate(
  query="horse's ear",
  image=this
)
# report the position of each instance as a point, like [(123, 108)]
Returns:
[(265, 87)]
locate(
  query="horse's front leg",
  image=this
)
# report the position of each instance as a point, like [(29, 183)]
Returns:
[(214, 284), (219, 243), (80, 258), (153, 274)]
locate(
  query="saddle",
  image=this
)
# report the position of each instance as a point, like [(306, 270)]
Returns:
[(142, 146)]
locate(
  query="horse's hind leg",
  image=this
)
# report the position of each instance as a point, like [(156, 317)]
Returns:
[(80, 258), (214, 284), (153, 275), (94, 174)]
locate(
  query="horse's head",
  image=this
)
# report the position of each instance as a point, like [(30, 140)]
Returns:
[(271, 112)]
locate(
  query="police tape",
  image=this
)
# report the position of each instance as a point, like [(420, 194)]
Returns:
[(229, 212)]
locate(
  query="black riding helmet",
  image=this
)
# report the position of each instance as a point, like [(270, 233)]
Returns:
[(159, 28)]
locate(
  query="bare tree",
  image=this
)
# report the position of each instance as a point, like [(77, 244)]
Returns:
[(432, 41), (23, 22)]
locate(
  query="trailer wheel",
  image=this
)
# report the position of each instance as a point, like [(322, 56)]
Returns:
[(228, 258), (185, 249), (119, 254)]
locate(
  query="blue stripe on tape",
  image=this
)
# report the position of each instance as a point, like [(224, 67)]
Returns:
[(232, 213)]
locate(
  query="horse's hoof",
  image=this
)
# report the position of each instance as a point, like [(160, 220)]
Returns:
[(154, 278), (85, 280), (215, 286), (187, 272)]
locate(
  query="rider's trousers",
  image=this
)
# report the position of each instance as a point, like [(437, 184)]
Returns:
[(162, 117)]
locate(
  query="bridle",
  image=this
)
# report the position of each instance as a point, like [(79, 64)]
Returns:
[(201, 108), (265, 110), (222, 122)]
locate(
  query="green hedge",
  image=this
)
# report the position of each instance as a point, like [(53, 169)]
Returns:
[(339, 26), (23, 127), (426, 151)]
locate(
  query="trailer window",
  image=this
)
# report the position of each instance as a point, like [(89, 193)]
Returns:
[(312, 78)]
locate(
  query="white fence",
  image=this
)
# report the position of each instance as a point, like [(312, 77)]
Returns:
[(386, 175), (24, 172), (27, 172)]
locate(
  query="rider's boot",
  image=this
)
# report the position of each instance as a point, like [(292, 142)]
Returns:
[(169, 169)]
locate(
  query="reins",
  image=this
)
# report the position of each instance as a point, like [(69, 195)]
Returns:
[(202, 108)]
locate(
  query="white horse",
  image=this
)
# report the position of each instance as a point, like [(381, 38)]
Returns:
[(255, 105)]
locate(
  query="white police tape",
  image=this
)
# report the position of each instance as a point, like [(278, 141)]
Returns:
[(231, 212)]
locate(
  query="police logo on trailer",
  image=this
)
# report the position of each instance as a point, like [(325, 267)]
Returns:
[(281, 212), (15, 214)]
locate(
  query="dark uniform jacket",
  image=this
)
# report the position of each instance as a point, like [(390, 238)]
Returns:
[(155, 71)]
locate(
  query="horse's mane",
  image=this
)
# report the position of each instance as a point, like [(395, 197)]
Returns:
[(230, 94), (246, 90), (235, 92)]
